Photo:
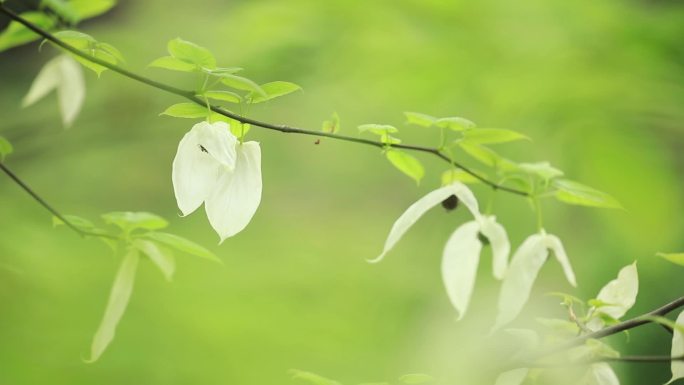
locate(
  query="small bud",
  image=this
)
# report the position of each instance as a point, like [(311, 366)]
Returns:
[(484, 240), (451, 203)]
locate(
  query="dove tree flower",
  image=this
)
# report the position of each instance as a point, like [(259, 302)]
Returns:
[(65, 75), (615, 298), (214, 168), (522, 272), (461, 254)]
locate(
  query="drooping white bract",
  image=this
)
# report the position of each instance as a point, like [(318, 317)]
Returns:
[(600, 374), (677, 366), (213, 168), (462, 255), (617, 296), (420, 207), (523, 270), (65, 75)]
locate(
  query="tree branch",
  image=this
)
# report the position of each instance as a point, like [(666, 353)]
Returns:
[(190, 95), (51, 209)]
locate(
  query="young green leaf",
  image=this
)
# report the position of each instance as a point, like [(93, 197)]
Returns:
[(480, 153), (113, 52), (173, 64), (676, 258), (181, 244), (17, 34), (186, 110), (420, 119), (574, 193), (455, 123), (457, 175), (6, 148), (332, 125), (85, 9), (224, 96), (242, 83), (543, 170), (378, 129), (416, 378), (311, 378), (274, 90), (159, 256), (191, 53), (129, 221), (221, 70), (116, 306), (492, 135), (406, 164)]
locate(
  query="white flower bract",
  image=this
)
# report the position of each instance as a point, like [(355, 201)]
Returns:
[(213, 168)]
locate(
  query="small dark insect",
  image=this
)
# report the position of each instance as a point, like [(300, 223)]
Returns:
[(318, 141), (450, 203), (203, 149), (484, 240)]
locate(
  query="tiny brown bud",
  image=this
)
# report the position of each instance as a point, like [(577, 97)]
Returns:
[(450, 203)]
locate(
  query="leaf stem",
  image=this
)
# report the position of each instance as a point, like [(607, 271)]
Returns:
[(189, 95)]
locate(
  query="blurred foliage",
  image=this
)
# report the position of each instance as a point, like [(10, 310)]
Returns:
[(597, 85)]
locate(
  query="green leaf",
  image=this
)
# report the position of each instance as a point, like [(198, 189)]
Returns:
[(457, 175), (181, 244), (676, 258), (128, 221), (225, 96), (378, 129), (116, 306), (492, 135), (543, 170), (480, 153), (332, 125), (186, 110), (274, 90), (161, 257), (79, 222), (242, 83), (173, 64), (78, 40), (420, 119), (406, 164), (191, 53), (6, 148), (416, 378), (221, 70), (87, 44), (574, 193), (455, 123), (86, 9), (389, 139), (17, 34), (311, 378), (561, 326), (112, 51)]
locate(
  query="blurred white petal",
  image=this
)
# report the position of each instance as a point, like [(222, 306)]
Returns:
[(71, 89), (218, 141), (421, 206), (47, 80), (619, 293), (118, 300), (459, 265), (498, 240), (521, 274), (555, 245), (237, 195), (677, 350), (512, 377), (601, 374), (194, 173)]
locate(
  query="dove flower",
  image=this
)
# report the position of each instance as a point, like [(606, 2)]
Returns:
[(214, 168), (462, 251), (615, 298), (522, 272)]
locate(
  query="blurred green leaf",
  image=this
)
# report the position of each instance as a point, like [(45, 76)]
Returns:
[(79, 222), (6, 148), (242, 83), (457, 175), (378, 129), (221, 70), (455, 123), (86, 9), (676, 258), (406, 164), (128, 221), (186, 110), (181, 244), (544, 170), (225, 96), (574, 193), (480, 153), (88, 45), (416, 378), (419, 119), (173, 64), (17, 34), (311, 378), (274, 90), (492, 135), (162, 258), (191, 53), (332, 125)]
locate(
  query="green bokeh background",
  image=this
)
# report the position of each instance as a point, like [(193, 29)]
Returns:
[(598, 85)]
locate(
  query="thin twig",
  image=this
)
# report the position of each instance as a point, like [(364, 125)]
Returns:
[(190, 95)]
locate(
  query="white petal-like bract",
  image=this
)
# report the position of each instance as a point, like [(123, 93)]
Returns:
[(498, 241), (65, 75), (421, 206), (619, 295), (521, 274), (459, 265), (677, 366), (237, 195), (217, 140), (600, 374), (554, 244), (512, 377)]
